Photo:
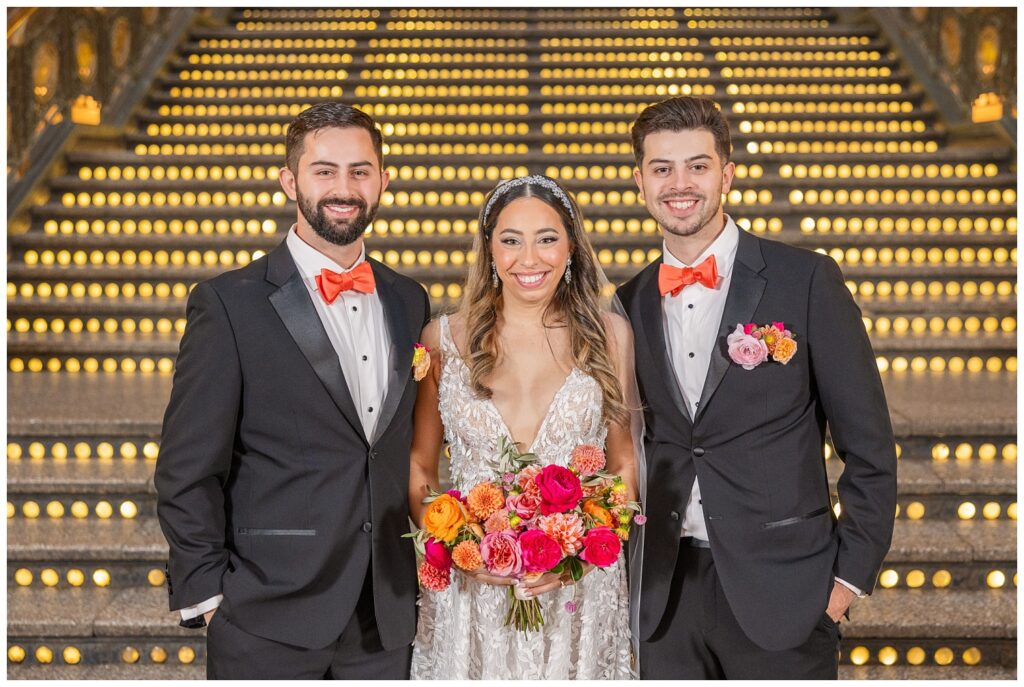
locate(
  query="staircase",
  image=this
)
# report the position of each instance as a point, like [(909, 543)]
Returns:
[(836, 151)]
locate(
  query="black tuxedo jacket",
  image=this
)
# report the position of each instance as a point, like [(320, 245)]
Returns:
[(756, 444), (269, 492)]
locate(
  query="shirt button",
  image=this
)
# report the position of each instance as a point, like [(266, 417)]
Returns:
[(365, 358), (674, 515), (698, 452), (690, 306), (692, 354), (355, 309), (367, 526), (370, 409)]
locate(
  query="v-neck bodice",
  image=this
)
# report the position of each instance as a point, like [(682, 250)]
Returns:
[(473, 426)]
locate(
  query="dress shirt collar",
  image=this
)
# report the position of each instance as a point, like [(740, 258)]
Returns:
[(723, 248), (310, 261)]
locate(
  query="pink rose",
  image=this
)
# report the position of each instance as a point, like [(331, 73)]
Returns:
[(560, 489), (749, 328), (601, 547), (501, 553), (525, 505), (745, 350), (780, 326), (540, 552), (437, 554), (455, 494)]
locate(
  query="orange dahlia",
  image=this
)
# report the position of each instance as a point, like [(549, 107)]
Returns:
[(566, 529), (484, 499), (587, 459), (466, 555)]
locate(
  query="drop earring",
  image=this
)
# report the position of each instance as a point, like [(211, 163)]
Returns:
[(494, 275), (568, 270)]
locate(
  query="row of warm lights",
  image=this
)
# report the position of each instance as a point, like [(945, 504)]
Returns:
[(830, 147), (287, 58), (901, 171), (456, 129), (888, 196), (921, 256), (73, 656), (374, 109), (645, 90), (56, 510), (93, 325), (592, 108), (938, 325), (641, 25), (160, 258), (263, 75), (620, 42), (772, 41), (746, 12), (96, 290), (941, 579), (435, 74), (276, 43), (243, 92), (935, 289), (956, 364), (76, 577), (164, 366), (184, 172), (817, 126), (797, 56), (661, 56), (456, 148), (758, 24), (824, 107), (442, 91), (622, 172), (965, 511), (217, 129), (83, 450), (813, 88), (445, 58), (455, 26), (174, 199), (418, 43), (306, 26), (626, 73), (160, 226), (275, 149), (318, 14), (963, 451), (915, 656), (902, 225)]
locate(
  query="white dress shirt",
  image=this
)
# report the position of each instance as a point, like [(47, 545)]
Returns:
[(355, 325), (692, 320)]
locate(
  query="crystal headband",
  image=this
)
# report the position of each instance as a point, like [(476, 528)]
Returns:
[(505, 186)]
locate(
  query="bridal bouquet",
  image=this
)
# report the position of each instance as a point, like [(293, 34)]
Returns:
[(527, 521)]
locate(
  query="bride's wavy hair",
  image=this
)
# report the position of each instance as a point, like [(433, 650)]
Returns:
[(577, 303)]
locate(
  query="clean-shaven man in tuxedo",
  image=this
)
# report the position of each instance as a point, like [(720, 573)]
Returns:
[(285, 449), (746, 569)]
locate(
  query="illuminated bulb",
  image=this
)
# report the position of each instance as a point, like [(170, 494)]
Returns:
[(942, 579), (16, 654), (186, 654), (104, 510), (943, 656), (158, 654), (916, 656), (995, 579), (991, 510), (889, 579), (129, 510), (101, 578), (859, 655), (23, 577), (49, 577), (888, 656), (972, 656), (44, 655), (915, 579), (80, 509), (130, 655), (72, 656), (30, 509), (75, 577), (966, 510), (915, 510), (156, 577)]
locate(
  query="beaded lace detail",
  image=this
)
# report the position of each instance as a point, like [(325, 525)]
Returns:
[(461, 632)]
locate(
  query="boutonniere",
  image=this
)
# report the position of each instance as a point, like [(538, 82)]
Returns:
[(420, 361), (750, 345)]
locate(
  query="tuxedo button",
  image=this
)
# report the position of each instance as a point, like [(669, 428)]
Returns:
[(367, 526), (674, 515), (698, 452), (372, 455)]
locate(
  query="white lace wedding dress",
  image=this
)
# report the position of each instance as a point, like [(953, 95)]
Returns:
[(461, 633)]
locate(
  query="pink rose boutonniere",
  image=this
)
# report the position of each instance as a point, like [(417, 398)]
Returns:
[(420, 361), (750, 345)]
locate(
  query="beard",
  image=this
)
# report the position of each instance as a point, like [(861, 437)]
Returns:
[(340, 232), (691, 225)]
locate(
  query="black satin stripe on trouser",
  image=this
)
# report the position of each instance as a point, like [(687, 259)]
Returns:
[(700, 639), (233, 654)]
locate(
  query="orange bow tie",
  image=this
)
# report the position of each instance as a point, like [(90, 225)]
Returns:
[(675, 279), (332, 283)]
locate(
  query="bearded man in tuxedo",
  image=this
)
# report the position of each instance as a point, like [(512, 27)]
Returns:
[(746, 351), (285, 449)]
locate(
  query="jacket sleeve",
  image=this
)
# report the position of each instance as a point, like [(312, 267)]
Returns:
[(851, 393), (196, 450)]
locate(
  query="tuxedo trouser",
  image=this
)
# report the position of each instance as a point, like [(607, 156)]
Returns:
[(699, 637), (234, 654)]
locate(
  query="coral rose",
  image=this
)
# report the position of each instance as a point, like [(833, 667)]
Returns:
[(566, 529), (524, 505), (484, 499), (587, 459), (540, 552), (498, 522), (466, 555), (600, 515), (784, 351), (444, 518), (527, 479), (501, 554), (433, 579), (745, 350), (601, 547), (560, 489), (437, 554)]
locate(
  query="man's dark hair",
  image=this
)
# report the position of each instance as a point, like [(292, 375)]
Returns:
[(682, 114), (327, 116)]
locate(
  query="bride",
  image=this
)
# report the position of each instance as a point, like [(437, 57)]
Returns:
[(532, 356)]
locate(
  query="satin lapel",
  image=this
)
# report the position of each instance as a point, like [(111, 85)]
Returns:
[(293, 305), (400, 354), (745, 291), (654, 329)]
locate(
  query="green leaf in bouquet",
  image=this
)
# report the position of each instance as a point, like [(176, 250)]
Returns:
[(575, 568)]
